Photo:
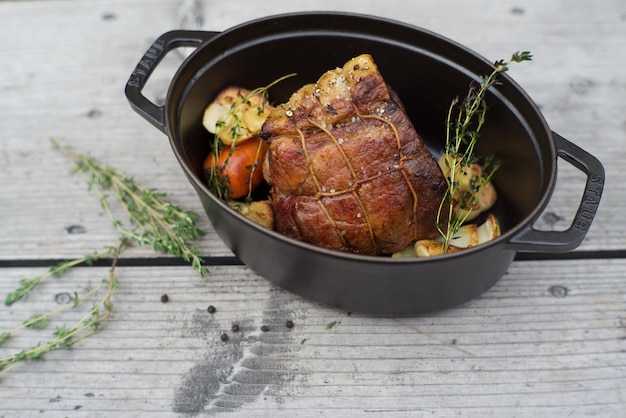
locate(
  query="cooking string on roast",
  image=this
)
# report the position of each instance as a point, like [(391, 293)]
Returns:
[(330, 180)]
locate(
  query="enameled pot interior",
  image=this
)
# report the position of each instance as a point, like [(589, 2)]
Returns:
[(427, 71)]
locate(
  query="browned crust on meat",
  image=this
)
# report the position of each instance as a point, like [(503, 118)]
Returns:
[(349, 171)]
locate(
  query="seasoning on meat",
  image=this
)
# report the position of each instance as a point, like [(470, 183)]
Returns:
[(347, 168)]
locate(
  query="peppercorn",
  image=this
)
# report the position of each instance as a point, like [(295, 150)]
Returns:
[(224, 337), (211, 309), (289, 323), (265, 328), (164, 298), (235, 328)]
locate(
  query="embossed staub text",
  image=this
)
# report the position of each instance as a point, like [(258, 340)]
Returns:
[(146, 64), (590, 202)]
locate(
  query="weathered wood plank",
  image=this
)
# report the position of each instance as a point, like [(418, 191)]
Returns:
[(545, 339), (68, 83)]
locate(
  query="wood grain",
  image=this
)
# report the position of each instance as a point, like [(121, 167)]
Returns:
[(78, 95), (549, 339), (525, 346)]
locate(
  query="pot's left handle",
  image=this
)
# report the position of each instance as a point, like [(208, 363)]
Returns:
[(530, 239), (165, 43)]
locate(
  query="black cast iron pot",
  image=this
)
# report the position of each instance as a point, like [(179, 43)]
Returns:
[(427, 71)]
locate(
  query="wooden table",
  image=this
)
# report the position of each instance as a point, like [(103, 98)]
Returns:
[(549, 339)]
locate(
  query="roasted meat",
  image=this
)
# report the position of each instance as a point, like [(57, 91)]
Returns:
[(348, 170)]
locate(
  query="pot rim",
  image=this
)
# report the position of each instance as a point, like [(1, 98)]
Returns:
[(504, 238), (419, 285)]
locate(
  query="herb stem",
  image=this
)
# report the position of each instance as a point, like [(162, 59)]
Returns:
[(158, 223), (28, 284), (90, 323), (460, 148), (218, 183)]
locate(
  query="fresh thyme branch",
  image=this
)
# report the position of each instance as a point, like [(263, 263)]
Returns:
[(464, 122), (63, 337), (28, 284), (230, 130), (155, 222)]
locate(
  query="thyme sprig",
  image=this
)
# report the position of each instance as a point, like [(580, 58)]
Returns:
[(28, 284), (156, 223), (464, 122), (218, 183), (65, 337)]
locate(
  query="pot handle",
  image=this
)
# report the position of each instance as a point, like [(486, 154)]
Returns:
[(530, 239), (165, 43)]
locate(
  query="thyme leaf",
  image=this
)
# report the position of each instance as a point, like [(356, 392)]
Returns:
[(332, 324)]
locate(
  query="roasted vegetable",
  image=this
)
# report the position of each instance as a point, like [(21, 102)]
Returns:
[(467, 236), (237, 167), (474, 192), (236, 114), (259, 212)]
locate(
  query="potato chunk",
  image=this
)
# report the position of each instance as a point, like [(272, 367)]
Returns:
[(260, 212), (236, 115), (467, 236), (473, 188)]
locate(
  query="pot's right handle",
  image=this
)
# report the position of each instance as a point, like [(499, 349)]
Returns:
[(165, 43), (530, 239)]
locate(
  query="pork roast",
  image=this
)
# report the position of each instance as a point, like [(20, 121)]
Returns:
[(348, 170)]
